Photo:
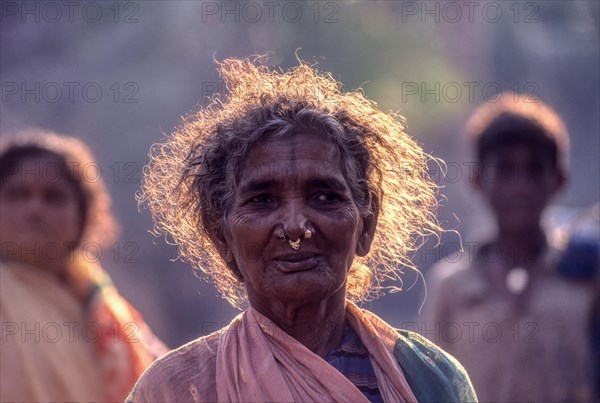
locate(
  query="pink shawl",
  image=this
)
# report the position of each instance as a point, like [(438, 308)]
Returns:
[(257, 361)]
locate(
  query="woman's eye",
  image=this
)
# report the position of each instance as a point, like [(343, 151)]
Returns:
[(55, 197), (16, 194), (261, 199), (327, 197)]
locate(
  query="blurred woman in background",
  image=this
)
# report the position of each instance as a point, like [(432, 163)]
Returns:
[(67, 335)]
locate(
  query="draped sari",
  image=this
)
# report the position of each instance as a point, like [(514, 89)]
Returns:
[(74, 339), (252, 359)]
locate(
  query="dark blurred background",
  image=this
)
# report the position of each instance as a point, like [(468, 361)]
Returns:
[(121, 74)]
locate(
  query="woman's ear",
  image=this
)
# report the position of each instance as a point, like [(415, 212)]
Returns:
[(226, 254), (218, 238), (365, 239), (560, 181)]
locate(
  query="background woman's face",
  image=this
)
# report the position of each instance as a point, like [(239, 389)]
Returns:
[(39, 213), (287, 184)]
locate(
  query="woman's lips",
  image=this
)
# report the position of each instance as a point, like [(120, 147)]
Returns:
[(297, 262)]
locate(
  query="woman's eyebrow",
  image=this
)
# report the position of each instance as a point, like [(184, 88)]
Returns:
[(327, 182), (257, 185)]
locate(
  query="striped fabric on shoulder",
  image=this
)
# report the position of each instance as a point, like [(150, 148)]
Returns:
[(351, 358)]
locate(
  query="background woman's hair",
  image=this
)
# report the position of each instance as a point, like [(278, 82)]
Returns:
[(190, 182), (76, 162)]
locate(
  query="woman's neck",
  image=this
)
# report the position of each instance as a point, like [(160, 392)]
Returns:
[(319, 327)]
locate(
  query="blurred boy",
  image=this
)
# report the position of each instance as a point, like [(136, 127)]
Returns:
[(504, 311)]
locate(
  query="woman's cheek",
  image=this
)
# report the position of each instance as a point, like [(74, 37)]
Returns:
[(249, 253), (343, 221)]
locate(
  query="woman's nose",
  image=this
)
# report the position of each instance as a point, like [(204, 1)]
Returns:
[(34, 208), (294, 219)]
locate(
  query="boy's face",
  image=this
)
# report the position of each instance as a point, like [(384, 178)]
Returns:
[(518, 182)]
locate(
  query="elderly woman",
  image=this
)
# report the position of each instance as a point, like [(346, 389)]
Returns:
[(67, 335), (297, 199)]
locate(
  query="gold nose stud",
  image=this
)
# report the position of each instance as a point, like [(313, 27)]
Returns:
[(295, 244)]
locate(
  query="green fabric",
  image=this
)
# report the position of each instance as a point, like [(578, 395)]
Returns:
[(433, 374)]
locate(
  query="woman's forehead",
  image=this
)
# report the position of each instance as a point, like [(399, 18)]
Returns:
[(292, 148), (41, 170), (34, 163), (304, 154)]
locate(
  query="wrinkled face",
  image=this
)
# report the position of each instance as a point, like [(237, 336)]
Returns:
[(518, 183), (39, 213), (290, 184)]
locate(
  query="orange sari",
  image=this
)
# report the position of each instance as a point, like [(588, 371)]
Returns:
[(69, 340)]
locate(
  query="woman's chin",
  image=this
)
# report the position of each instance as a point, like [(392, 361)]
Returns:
[(307, 286)]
